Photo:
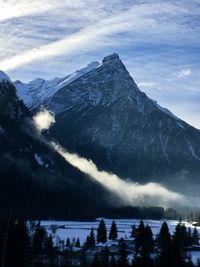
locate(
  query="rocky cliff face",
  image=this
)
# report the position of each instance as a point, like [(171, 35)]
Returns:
[(104, 116)]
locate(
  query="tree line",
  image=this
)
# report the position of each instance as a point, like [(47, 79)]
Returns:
[(29, 244)]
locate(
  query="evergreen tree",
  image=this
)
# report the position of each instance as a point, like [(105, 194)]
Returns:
[(123, 254), (39, 238), (113, 232), (101, 232), (50, 250), (195, 237), (14, 243), (92, 238), (23, 243), (176, 255), (140, 237), (77, 245), (148, 241), (134, 231), (189, 237), (180, 235), (68, 242), (164, 236), (87, 242)]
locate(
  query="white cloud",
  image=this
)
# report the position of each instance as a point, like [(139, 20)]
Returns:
[(43, 120), (183, 73), (12, 8), (97, 30), (130, 193)]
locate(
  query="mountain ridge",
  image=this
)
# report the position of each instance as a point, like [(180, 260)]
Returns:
[(103, 115), (35, 181)]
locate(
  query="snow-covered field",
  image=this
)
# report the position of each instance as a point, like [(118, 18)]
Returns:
[(82, 229), (61, 230)]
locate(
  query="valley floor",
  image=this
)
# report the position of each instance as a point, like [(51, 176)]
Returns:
[(63, 230)]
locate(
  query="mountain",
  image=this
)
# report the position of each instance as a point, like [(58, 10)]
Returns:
[(37, 91), (34, 180), (104, 116)]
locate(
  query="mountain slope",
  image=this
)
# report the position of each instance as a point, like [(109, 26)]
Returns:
[(35, 92), (34, 180), (104, 116)]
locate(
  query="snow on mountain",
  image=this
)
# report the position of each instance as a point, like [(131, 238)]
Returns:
[(104, 116), (77, 74), (35, 92), (4, 77)]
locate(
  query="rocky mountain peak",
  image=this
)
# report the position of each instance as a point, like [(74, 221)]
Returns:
[(115, 64), (111, 58)]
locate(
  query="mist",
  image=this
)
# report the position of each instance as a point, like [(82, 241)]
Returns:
[(130, 193), (43, 120)]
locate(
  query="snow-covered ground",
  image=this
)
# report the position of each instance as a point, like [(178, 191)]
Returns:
[(75, 229), (61, 230)]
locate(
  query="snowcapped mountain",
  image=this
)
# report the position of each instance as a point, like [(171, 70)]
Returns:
[(102, 114), (37, 91)]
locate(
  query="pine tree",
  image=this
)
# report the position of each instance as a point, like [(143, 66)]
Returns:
[(140, 237), (77, 245), (87, 242), (50, 250), (180, 235), (113, 232), (68, 242), (39, 238), (195, 237), (179, 243), (133, 231), (101, 232), (22, 244), (123, 254), (189, 237), (92, 238), (148, 241), (14, 243), (164, 236)]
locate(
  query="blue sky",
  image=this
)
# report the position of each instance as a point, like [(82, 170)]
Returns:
[(158, 41)]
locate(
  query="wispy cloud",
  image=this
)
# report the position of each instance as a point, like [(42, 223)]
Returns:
[(157, 40), (183, 73), (13, 9), (148, 18)]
